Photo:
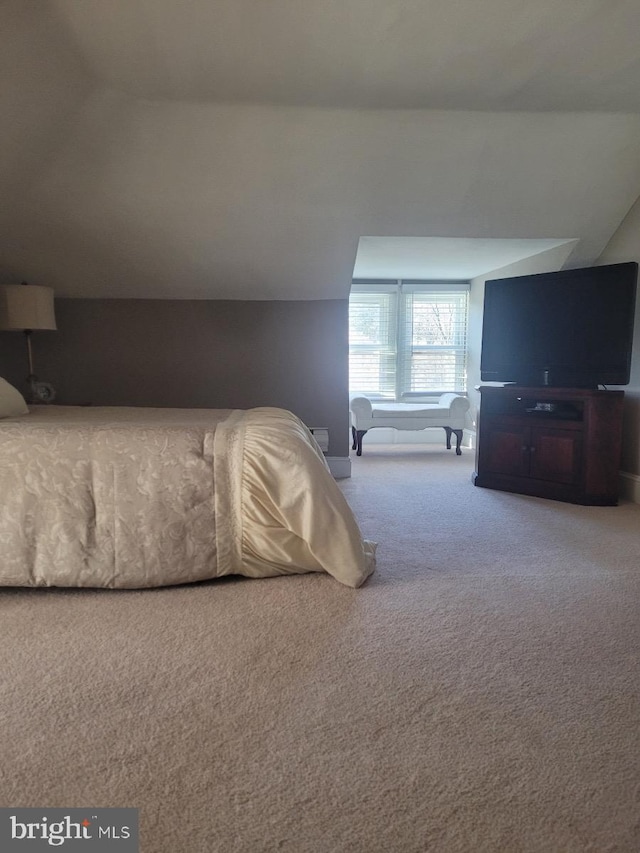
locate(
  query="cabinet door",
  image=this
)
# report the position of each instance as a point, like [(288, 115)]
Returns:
[(504, 448), (556, 454)]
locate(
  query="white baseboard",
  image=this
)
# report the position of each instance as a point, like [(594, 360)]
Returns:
[(340, 466), (630, 487)]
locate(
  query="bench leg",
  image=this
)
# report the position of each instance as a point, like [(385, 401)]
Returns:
[(458, 435), (358, 435)]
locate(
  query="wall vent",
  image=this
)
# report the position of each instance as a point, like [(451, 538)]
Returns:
[(321, 435)]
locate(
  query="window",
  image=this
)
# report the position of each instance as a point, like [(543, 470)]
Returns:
[(408, 339)]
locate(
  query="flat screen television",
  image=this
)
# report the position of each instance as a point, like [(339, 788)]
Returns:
[(567, 329)]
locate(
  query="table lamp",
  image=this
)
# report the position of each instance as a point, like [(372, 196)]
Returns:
[(27, 308)]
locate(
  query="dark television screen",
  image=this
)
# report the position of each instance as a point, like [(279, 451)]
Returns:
[(569, 329)]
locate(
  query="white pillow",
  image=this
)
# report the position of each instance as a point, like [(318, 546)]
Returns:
[(12, 403)]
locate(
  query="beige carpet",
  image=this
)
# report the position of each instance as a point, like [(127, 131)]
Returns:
[(481, 693)]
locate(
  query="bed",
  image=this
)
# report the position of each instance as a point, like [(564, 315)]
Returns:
[(142, 497)]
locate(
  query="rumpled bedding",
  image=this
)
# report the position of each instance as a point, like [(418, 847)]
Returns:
[(141, 497)]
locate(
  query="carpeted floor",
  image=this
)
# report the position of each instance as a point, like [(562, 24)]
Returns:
[(480, 693)]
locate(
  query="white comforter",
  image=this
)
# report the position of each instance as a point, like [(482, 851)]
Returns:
[(130, 497)]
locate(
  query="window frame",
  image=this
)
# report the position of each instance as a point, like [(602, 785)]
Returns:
[(403, 349)]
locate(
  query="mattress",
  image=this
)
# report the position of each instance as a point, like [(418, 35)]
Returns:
[(141, 497)]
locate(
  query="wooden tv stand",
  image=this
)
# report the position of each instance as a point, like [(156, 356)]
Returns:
[(559, 443)]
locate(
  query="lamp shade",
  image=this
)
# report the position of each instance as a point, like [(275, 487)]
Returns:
[(26, 306)]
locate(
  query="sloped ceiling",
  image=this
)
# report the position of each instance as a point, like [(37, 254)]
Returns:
[(240, 149), (446, 258)]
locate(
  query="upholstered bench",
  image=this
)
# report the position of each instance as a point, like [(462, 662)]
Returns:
[(447, 412)]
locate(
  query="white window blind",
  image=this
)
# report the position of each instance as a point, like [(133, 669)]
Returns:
[(408, 338), (373, 327)]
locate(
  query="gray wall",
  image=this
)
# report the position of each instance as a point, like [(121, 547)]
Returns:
[(200, 353)]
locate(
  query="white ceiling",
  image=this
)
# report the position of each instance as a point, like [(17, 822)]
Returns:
[(241, 149), (442, 258), (410, 54)]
